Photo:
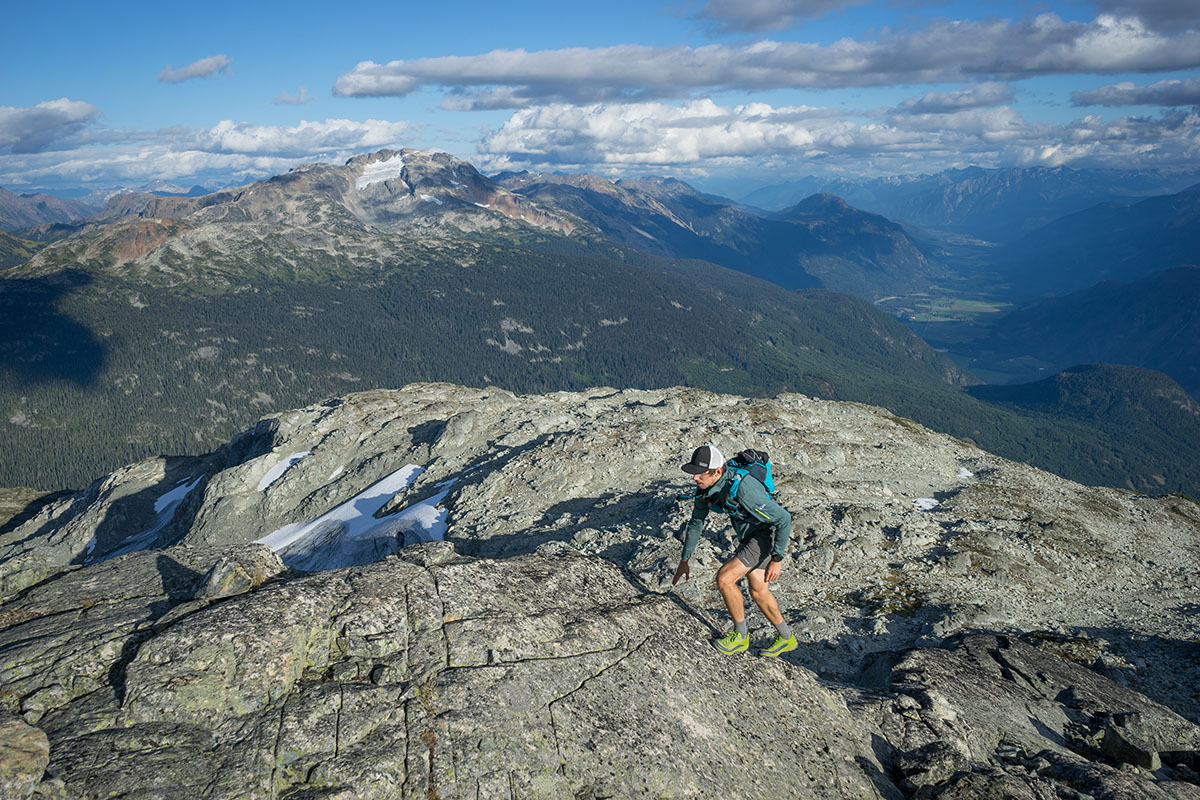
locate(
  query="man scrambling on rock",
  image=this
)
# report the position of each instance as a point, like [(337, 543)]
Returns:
[(762, 526)]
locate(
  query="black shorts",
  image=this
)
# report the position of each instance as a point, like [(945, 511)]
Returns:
[(755, 549)]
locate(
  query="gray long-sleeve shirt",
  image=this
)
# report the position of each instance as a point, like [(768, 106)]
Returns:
[(757, 510)]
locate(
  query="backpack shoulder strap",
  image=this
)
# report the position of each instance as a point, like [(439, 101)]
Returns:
[(736, 481)]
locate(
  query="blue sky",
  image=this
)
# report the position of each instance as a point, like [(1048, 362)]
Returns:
[(723, 94)]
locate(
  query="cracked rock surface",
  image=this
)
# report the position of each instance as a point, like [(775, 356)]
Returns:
[(465, 677), (969, 627)]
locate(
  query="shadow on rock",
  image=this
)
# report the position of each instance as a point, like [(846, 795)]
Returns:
[(613, 526), (1164, 670), (178, 584), (30, 511), (179, 581), (155, 517)]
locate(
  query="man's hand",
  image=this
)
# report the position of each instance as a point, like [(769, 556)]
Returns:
[(773, 570), (684, 572)]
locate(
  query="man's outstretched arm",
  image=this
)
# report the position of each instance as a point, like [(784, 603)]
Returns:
[(691, 538)]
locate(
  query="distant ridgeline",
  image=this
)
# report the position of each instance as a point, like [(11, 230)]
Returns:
[(172, 323), (1153, 322)]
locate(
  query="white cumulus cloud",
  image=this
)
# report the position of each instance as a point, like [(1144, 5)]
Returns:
[(203, 68), (300, 139), (36, 128), (944, 51), (659, 134), (700, 135)]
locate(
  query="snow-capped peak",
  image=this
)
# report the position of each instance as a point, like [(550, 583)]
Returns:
[(377, 171)]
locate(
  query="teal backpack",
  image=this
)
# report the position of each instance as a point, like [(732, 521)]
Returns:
[(754, 463)]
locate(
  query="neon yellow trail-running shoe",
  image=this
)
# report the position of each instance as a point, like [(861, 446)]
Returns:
[(780, 646), (733, 642)]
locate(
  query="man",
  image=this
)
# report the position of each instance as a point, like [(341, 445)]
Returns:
[(762, 526)]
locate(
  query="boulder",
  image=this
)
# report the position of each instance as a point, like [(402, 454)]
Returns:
[(24, 754)]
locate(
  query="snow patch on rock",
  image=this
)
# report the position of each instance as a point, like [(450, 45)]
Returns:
[(165, 508), (276, 472), (380, 171), (351, 535)]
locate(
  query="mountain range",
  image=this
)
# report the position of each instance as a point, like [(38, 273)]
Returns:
[(22, 211), (819, 242), (997, 205), (184, 313), (18, 211), (1109, 242), (162, 322)]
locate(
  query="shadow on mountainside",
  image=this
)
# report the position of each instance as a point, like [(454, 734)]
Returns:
[(1165, 670), (637, 515), (179, 584), (39, 343), (134, 522), (31, 510)]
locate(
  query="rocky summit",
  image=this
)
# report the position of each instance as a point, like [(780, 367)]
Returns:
[(465, 593)]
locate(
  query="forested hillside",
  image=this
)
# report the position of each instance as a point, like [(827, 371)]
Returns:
[(14, 250), (1118, 403), (99, 369)]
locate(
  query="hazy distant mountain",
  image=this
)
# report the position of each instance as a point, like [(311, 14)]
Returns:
[(98, 198), (1114, 241), (168, 188), (1123, 403), (991, 204), (22, 211), (784, 195), (848, 247), (1153, 322), (823, 242)]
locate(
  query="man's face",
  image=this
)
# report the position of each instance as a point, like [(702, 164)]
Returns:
[(705, 480)]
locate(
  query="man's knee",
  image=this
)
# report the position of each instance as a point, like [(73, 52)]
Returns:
[(761, 592), (727, 578)]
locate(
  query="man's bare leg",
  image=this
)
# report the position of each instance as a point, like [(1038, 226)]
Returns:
[(727, 584), (760, 590)]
